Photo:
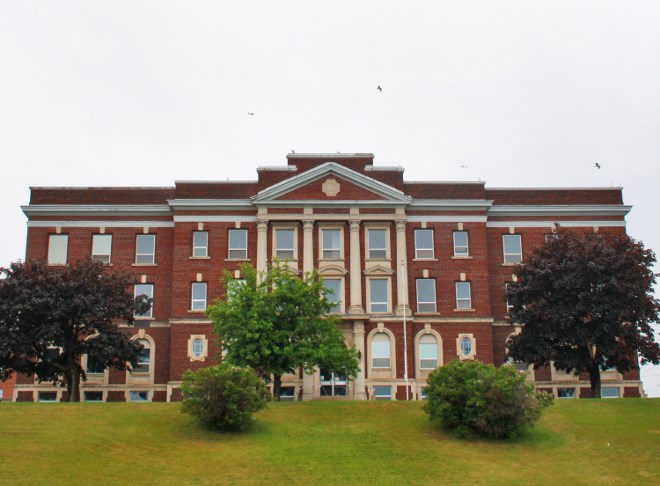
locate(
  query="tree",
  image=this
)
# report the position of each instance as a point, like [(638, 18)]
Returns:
[(473, 397), (585, 302), (277, 322), (51, 316), (223, 397)]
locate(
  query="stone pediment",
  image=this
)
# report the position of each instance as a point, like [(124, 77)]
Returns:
[(331, 184)]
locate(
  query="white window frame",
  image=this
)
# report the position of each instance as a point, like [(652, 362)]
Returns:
[(423, 337), (200, 249), (134, 393), (191, 347), (459, 346), (198, 304), (150, 295), (430, 306), (424, 253), (337, 297), (511, 258), (58, 249), (618, 391), (99, 253), (143, 363), (370, 249), (508, 306), (379, 303), (323, 253), (575, 392), (147, 258), (463, 303), (388, 357), (378, 396), (237, 250), (276, 230), (461, 250)]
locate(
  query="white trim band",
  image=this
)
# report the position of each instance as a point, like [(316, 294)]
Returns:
[(551, 224), (97, 224)]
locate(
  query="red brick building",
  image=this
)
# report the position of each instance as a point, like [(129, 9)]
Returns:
[(432, 258)]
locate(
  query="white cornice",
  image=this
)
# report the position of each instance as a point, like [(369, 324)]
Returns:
[(98, 224), (446, 219), (206, 218), (362, 203), (206, 204), (97, 210), (391, 194), (451, 204), (551, 224), (563, 210)]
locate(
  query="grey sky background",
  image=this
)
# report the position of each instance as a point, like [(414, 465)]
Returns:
[(143, 93)]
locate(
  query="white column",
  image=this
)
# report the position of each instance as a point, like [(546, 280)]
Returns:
[(355, 269), (308, 242), (401, 256), (262, 244), (358, 340)]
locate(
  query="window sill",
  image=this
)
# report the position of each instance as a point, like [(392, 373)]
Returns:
[(199, 258), (196, 311), (237, 259), (377, 259), (144, 264), (464, 310), (425, 259), (282, 260), (142, 318), (510, 264), (466, 257)]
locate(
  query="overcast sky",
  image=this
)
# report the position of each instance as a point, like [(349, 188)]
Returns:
[(143, 93)]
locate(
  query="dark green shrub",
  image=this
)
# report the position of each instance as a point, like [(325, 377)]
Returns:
[(223, 397), (473, 397)]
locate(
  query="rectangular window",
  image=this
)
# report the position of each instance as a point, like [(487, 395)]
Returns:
[(378, 295), (512, 248), (47, 396), (382, 392), (138, 396), (509, 306), (93, 396), (198, 292), (609, 392), (200, 244), (57, 249), (461, 247), (148, 290), (565, 392), (238, 244), (331, 249), (144, 361), (423, 393), (463, 297), (284, 244), (145, 249), (428, 352), (101, 248), (426, 295), (377, 243), (287, 394), (333, 293), (424, 243), (94, 366)]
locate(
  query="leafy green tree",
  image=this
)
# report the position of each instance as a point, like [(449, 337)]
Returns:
[(277, 322), (51, 316), (473, 397), (585, 302), (223, 397)]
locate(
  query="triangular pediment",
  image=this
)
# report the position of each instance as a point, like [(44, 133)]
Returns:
[(331, 183)]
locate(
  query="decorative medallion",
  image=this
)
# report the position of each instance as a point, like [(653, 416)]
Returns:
[(330, 187)]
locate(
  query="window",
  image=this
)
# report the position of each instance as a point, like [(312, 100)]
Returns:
[(333, 293), (509, 306), (284, 244), (378, 295), (463, 298), (466, 346), (198, 292), (423, 393), (428, 352), (609, 392), (461, 247), (94, 366), (238, 244), (138, 396), (380, 351), (331, 244), (93, 396), (287, 393), (101, 248), (382, 392), (565, 392), (512, 248), (518, 365), (145, 249), (332, 384), (424, 243), (197, 348), (377, 243), (426, 295), (200, 244), (148, 291), (49, 396), (57, 249), (144, 358)]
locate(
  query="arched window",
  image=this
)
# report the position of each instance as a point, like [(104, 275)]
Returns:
[(380, 351), (144, 358), (428, 352), (466, 346)]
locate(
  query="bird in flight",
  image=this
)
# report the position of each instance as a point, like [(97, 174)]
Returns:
[(463, 166), (251, 114), (597, 165), (379, 88)]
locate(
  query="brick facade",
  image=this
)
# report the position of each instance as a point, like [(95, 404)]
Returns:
[(311, 194)]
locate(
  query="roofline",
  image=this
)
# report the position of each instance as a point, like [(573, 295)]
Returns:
[(338, 155), (617, 188)]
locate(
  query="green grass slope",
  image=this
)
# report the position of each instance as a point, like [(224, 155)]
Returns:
[(338, 442)]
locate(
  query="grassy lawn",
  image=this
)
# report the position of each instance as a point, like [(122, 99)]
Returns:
[(576, 442)]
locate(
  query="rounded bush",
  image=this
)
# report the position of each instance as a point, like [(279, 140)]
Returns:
[(223, 397), (473, 397)]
